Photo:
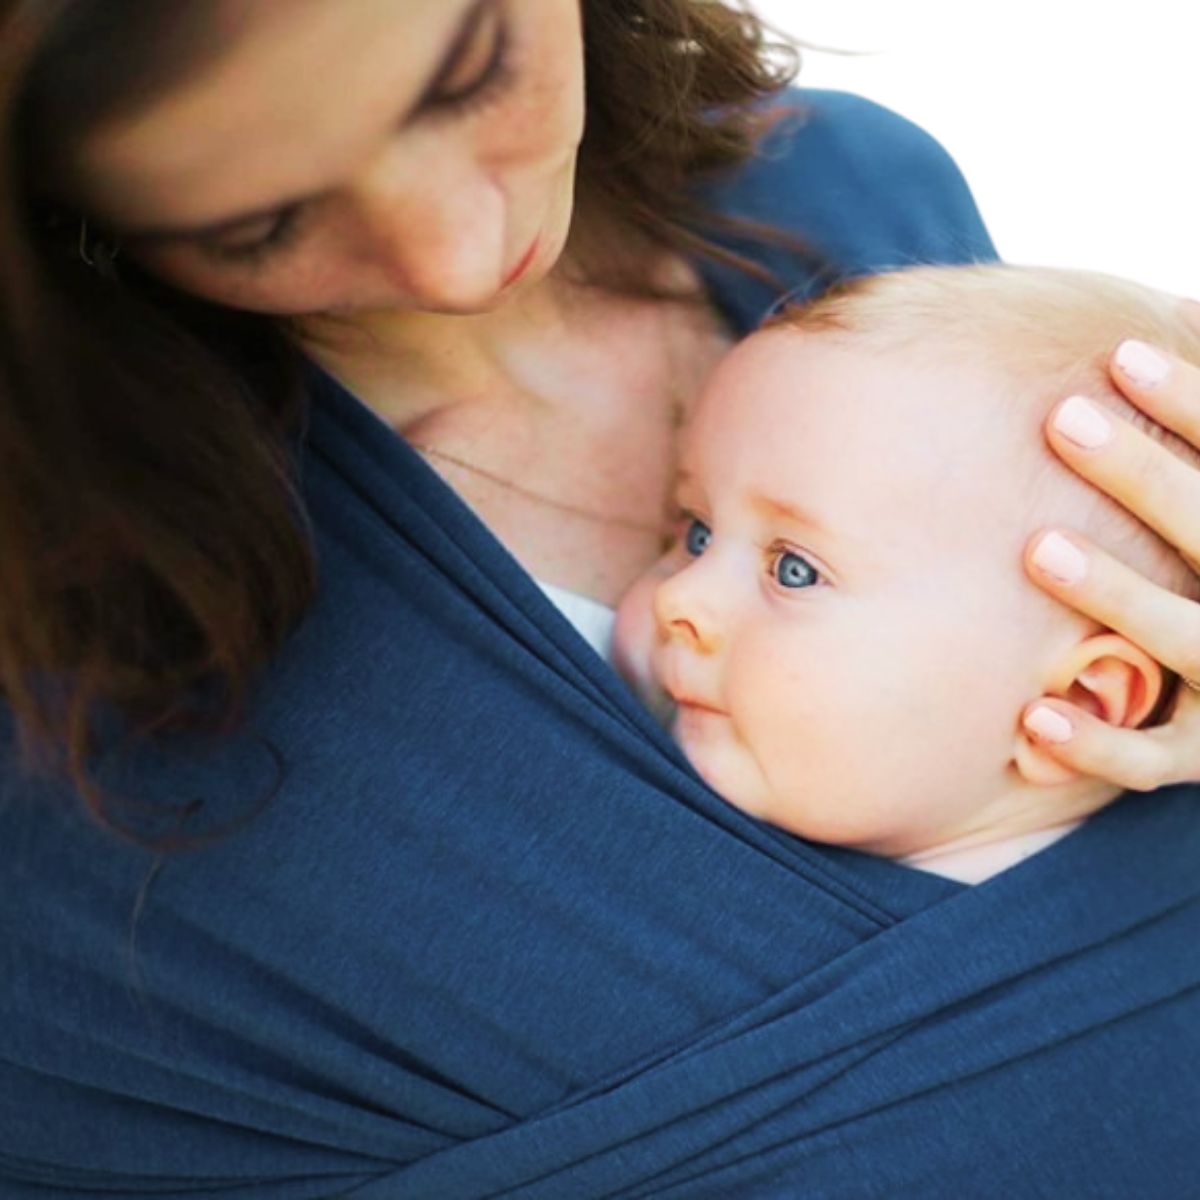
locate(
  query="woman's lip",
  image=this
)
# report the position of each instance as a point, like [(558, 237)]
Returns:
[(699, 706), (522, 266)]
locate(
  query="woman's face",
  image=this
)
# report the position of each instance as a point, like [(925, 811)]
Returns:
[(344, 156)]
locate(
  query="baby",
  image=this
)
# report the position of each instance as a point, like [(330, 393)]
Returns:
[(844, 628)]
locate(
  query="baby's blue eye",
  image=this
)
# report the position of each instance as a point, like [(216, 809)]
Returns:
[(697, 537), (794, 572)]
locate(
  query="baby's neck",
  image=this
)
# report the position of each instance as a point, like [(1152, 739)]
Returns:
[(1032, 820), (973, 863)]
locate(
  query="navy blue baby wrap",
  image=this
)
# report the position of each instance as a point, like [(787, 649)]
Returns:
[(491, 937)]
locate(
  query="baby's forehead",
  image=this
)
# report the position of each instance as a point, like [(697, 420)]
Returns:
[(918, 442), (902, 401)]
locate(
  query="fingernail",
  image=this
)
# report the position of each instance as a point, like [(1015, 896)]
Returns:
[(1048, 725), (1145, 366), (1059, 559), (1083, 423)]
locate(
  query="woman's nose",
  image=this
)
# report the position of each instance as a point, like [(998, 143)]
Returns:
[(685, 611), (440, 234)]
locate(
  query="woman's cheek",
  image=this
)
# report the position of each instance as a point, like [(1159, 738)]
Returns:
[(558, 56), (317, 279), (189, 271)]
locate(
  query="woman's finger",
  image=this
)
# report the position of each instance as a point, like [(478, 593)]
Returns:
[(1136, 759), (1137, 471), (1191, 312), (1161, 385), (1084, 577)]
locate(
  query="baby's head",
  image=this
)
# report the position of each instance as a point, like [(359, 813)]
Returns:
[(845, 625)]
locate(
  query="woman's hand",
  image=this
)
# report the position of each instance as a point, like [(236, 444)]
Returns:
[(1163, 492)]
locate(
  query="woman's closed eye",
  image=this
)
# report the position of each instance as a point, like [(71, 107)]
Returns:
[(280, 233), (478, 69)]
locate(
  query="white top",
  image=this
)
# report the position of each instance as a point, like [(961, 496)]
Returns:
[(977, 863), (595, 622)]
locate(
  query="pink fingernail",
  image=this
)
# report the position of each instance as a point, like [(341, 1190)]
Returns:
[(1048, 725), (1145, 366), (1059, 559), (1082, 422)]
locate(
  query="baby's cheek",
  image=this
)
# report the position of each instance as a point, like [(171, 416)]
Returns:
[(634, 636)]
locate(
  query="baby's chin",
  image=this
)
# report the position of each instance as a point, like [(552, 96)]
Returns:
[(709, 743)]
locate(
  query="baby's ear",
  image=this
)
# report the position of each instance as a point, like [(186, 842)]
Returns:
[(1107, 676)]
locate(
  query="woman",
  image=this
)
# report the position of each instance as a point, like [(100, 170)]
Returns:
[(439, 910)]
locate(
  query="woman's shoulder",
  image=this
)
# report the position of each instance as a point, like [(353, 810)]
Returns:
[(871, 187), (844, 131), (864, 188)]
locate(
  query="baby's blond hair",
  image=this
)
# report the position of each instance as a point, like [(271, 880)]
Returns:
[(1049, 331)]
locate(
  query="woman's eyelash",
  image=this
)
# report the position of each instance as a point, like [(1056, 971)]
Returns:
[(280, 235), (491, 82)]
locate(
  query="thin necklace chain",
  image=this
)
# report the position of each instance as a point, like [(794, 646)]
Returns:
[(661, 530), (564, 505)]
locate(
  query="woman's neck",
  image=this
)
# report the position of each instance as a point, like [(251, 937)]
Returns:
[(404, 364), (408, 364), (554, 416)]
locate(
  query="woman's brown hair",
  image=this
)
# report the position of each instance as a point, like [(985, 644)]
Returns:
[(154, 547)]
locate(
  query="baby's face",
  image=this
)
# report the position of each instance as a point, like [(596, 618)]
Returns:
[(845, 626)]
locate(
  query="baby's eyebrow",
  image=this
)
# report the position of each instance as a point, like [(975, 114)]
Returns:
[(683, 485), (792, 512)]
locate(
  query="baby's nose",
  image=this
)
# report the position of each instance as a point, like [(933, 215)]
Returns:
[(683, 616)]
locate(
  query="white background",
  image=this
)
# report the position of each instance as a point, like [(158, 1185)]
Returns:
[(1077, 124)]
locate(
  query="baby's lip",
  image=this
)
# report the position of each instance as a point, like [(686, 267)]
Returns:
[(696, 706), (685, 701), (682, 694)]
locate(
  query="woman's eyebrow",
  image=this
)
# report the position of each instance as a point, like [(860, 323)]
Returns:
[(208, 229)]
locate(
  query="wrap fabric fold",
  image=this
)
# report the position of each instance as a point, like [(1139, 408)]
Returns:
[(491, 936), (787, 1089)]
